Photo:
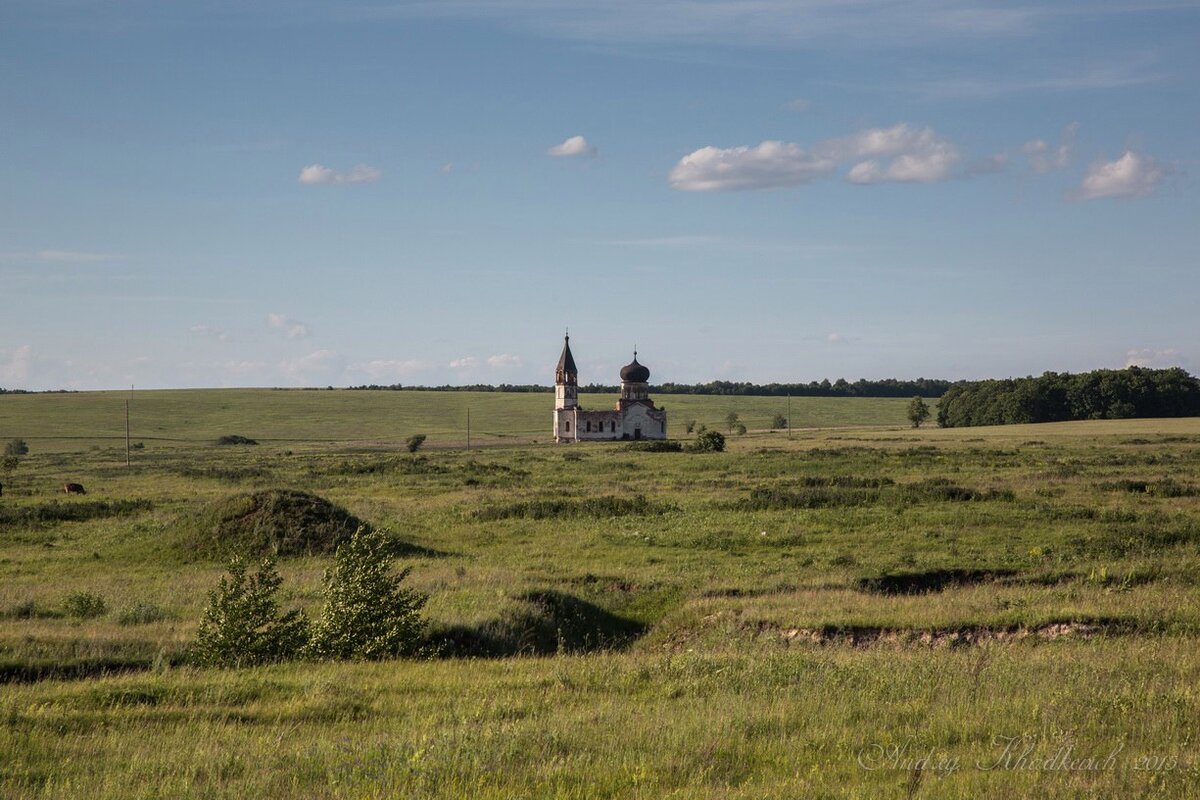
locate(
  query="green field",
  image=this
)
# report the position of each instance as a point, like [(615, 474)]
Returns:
[(862, 610), (172, 418)]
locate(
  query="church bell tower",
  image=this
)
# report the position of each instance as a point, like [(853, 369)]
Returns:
[(566, 379)]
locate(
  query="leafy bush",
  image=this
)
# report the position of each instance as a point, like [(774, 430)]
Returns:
[(769, 498), (1167, 487), (69, 512), (84, 605), (655, 446), (941, 490), (599, 507), (234, 439), (690, 425), (141, 614), (414, 442), (740, 429), (367, 615), (242, 625), (708, 442), (731, 420), (16, 447), (779, 421)]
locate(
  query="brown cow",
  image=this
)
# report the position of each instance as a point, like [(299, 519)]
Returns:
[(74, 488)]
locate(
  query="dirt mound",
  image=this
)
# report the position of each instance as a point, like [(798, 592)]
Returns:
[(271, 522)]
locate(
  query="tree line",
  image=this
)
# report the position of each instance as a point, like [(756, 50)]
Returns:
[(889, 387), (1060, 397)]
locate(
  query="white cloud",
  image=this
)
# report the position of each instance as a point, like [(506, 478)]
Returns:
[(60, 257), (317, 364), (1043, 158), (737, 23), (918, 155), (315, 174), (901, 154), (466, 362), (393, 369), (797, 104), (293, 328), (574, 146), (997, 162), (15, 368), (209, 331), (503, 361), (769, 165), (74, 257), (1131, 175), (1153, 358)]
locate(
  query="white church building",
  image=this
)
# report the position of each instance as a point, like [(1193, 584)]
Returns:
[(633, 417)]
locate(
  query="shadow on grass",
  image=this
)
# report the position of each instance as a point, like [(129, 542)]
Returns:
[(547, 622), (934, 580)]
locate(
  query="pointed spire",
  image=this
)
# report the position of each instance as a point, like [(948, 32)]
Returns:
[(566, 371)]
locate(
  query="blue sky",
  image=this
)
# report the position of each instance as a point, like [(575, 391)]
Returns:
[(316, 193)]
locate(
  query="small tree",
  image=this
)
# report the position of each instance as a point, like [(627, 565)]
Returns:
[(242, 625), (414, 442), (690, 425), (701, 428), (16, 447), (780, 421), (708, 442), (918, 412), (9, 464), (731, 420), (367, 615)]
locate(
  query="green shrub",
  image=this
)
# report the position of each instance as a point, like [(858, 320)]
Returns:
[(740, 429), (79, 511), (16, 447), (141, 614), (367, 615), (234, 439), (779, 421), (414, 442), (555, 508), (84, 605), (242, 625), (655, 446), (708, 442)]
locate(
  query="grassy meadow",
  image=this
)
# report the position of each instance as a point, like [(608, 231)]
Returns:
[(859, 610)]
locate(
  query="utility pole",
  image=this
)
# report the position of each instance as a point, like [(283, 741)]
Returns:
[(127, 427), (468, 428), (789, 413)]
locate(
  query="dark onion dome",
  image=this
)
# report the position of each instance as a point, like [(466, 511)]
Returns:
[(633, 372)]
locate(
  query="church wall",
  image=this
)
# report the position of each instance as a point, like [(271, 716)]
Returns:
[(653, 424)]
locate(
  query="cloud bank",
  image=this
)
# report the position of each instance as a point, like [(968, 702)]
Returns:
[(292, 328), (316, 174), (899, 154)]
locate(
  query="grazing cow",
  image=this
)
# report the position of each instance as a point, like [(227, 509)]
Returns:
[(74, 488)]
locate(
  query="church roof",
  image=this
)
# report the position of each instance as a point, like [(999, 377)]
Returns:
[(633, 372), (566, 362)]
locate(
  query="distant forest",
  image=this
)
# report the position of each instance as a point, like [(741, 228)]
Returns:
[(1059, 397), (890, 387)]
